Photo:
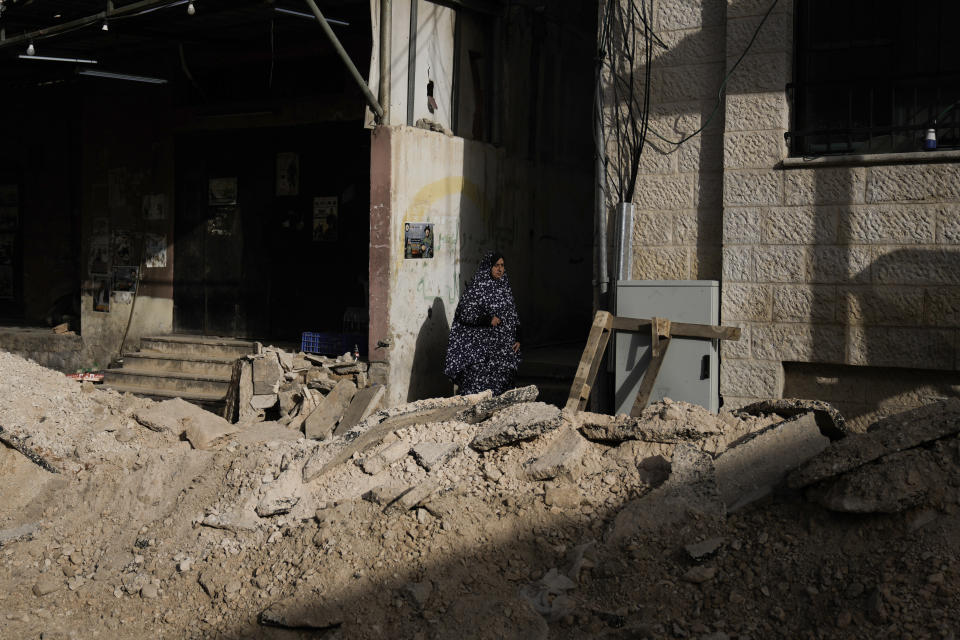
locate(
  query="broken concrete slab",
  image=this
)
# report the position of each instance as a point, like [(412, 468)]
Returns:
[(561, 458), (377, 462), (289, 396), (260, 402), (750, 469), (486, 408), (177, 416), (891, 484), (365, 402), (320, 423), (431, 455), (517, 423), (890, 435), (205, 430), (690, 489), (372, 430), (829, 420), (246, 412), (619, 428), (267, 374)]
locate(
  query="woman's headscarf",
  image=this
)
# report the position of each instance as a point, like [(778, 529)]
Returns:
[(472, 339)]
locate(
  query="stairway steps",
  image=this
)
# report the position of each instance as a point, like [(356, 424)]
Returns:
[(199, 346), (184, 383), (210, 401), (162, 362)]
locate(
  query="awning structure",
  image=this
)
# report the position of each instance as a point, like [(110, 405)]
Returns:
[(211, 50)]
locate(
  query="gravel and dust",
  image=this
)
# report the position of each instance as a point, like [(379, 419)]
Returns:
[(135, 534)]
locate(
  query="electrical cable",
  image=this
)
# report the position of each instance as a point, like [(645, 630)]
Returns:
[(723, 85)]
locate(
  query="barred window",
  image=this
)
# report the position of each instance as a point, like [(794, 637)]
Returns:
[(872, 76)]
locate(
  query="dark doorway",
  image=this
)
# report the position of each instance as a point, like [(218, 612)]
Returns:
[(272, 230)]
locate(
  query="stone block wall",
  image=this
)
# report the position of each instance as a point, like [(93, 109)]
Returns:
[(856, 264), (677, 220)]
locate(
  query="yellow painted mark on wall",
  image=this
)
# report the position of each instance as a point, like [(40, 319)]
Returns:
[(423, 201)]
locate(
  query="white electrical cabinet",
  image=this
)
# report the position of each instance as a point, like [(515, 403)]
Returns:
[(690, 369)]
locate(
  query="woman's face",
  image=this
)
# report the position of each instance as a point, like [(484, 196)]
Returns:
[(497, 270)]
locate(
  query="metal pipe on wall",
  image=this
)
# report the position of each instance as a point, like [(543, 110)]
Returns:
[(625, 240), (412, 61), (386, 53), (600, 204), (352, 68)]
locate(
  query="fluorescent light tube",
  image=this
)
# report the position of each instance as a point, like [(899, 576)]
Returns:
[(24, 56), (96, 73), (309, 16)]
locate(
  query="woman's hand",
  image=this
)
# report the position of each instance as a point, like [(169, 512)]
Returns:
[(495, 321), (516, 347)]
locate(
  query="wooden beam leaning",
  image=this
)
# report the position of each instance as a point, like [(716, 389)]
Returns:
[(659, 328), (590, 361), (680, 329)]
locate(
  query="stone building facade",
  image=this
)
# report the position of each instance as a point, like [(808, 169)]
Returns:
[(842, 270)]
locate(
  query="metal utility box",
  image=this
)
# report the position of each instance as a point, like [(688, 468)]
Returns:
[(690, 370)]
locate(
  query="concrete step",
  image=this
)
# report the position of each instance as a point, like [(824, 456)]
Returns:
[(179, 363), (199, 346), (181, 384), (209, 401)]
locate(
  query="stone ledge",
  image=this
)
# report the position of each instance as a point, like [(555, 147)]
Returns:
[(862, 160)]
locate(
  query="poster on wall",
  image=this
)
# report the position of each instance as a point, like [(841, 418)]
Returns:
[(288, 174), (418, 240), (221, 221), (325, 219), (99, 255), (122, 246), (222, 192), (125, 278), (155, 206), (101, 293), (155, 250)]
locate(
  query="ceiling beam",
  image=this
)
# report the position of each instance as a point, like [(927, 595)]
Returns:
[(94, 18)]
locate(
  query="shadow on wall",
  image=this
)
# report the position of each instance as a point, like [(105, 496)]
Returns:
[(899, 310), (426, 373)]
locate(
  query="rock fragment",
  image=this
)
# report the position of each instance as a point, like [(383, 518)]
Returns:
[(46, 585), (890, 435), (320, 424), (517, 423), (431, 455), (365, 402), (486, 408), (604, 428), (562, 457), (829, 420)]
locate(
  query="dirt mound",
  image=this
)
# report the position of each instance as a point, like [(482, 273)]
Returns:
[(595, 526)]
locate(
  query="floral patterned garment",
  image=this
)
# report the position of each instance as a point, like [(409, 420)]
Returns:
[(480, 356)]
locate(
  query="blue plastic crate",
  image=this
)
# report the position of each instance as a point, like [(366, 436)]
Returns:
[(330, 344)]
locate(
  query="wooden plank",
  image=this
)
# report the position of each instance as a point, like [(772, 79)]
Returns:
[(650, 377), (680, 329), (590, 361)]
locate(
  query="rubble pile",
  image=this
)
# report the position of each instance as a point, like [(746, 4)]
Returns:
[(472, 516), (314, 394)]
